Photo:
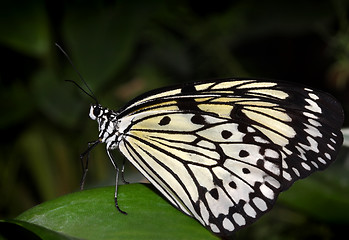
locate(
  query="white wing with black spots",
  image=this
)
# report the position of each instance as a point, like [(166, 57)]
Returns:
[(221, 151)]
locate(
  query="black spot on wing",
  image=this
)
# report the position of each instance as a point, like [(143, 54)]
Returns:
[(188, 89), (198, 119), (226, 134), (188, 103), (214, 193), (244, 153), (232, 184), (165, 120)]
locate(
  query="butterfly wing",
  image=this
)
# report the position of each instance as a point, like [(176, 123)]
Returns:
[(222, 151)]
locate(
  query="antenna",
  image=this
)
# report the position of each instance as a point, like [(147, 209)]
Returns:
[(90, 94)]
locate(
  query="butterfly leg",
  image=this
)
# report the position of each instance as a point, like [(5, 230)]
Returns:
[(86, 154), (122, 172), (116, 181)]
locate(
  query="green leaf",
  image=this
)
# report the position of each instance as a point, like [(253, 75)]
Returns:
[(91, 214), (15, 229)]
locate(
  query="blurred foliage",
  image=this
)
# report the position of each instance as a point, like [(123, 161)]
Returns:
[(123, 48)]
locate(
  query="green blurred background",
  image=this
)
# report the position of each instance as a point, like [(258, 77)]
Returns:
[(124, 48)]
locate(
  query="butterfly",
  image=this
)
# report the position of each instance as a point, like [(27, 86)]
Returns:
[(221, 151)]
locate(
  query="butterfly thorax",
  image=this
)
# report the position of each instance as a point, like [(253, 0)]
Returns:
[(107, 125)]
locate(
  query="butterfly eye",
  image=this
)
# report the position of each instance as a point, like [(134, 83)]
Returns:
[(96, 111)]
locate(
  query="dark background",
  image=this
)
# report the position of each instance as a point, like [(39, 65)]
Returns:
[(124, 48)]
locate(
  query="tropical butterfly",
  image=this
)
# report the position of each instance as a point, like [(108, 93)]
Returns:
[(221, 151)]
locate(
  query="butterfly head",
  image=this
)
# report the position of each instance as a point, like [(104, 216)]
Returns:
[(107, 125)]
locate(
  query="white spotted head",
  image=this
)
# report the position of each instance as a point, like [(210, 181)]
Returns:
[(107, 124)]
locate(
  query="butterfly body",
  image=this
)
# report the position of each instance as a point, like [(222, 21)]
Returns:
[(221, 151)]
